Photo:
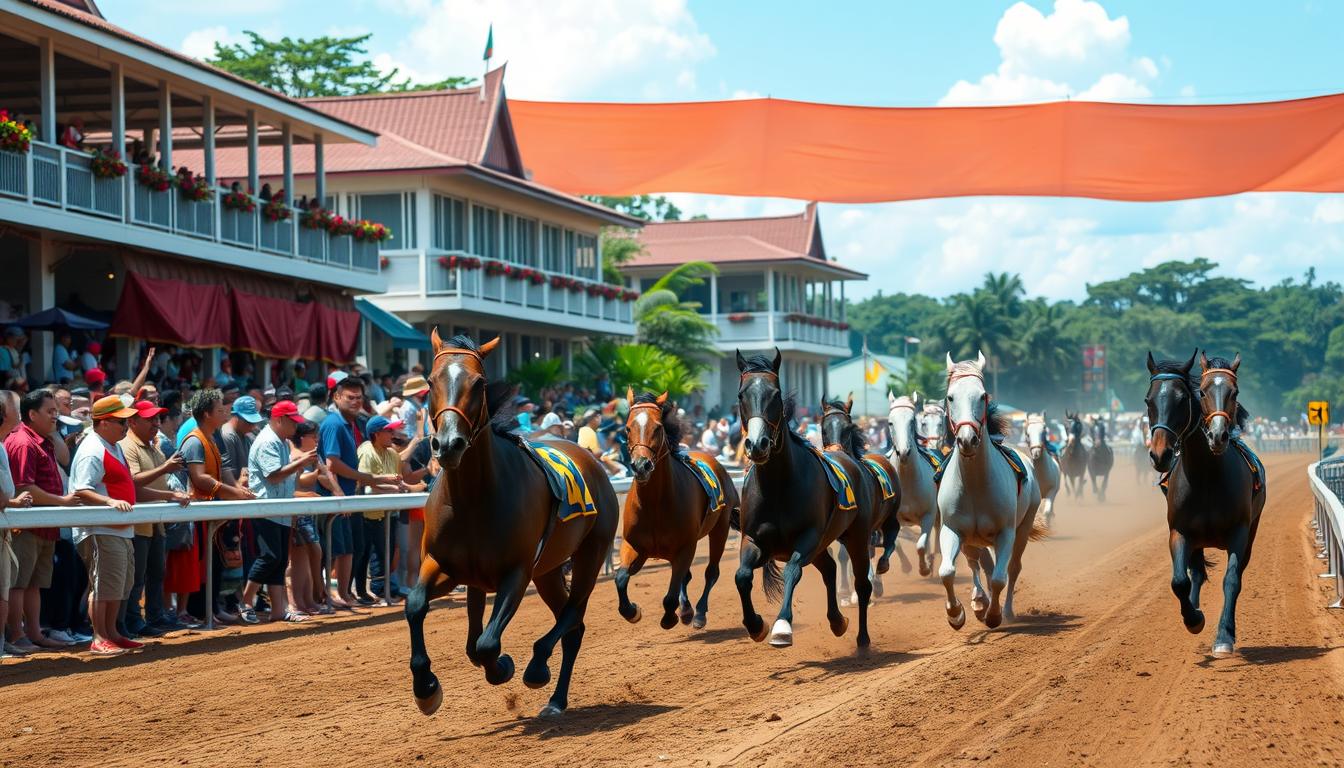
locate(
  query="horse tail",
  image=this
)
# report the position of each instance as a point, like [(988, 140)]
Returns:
[(1039, 531), (772, 581), (735, 519), (1202, 563)]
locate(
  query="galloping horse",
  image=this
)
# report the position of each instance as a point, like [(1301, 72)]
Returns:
[(1100, 459), (933, 434), (984, 500), (1073, 460), (790, 511), (492, 524), (1043, 464), (1214, 496), (915, 466), (668, 509), (839, 433)]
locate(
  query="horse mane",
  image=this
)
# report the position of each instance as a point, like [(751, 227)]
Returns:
[(757, 363), (672, 426), (1178, 367), (997, 423), (903, 401), (1242, 416), (790, 413), (851, 437), (498, 394)]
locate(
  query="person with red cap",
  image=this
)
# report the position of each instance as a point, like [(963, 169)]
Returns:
[(150, 469), (97, 381), (272, 474), (99, 476), (89, 360)]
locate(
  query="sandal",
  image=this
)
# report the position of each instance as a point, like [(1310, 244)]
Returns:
[(325, 610), (249, 615), (294, 618)]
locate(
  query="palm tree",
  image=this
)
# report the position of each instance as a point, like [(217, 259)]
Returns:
[(535, 375), (1043, 349), (1006, 289), (980, 323), (922, 374), (665, 321)]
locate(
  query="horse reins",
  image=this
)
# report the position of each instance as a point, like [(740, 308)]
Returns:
[(979, 423), (658, 455), (1208, 419), (474, 429)]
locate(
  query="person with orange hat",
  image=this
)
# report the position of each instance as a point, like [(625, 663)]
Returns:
[(100, 476)]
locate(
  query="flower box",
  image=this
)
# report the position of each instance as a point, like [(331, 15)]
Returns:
[(153, 177), (107, 164), (371, 231), (462, 262), (14, 136), (239, 201), (275, 210), (194, 187), (740, 317)]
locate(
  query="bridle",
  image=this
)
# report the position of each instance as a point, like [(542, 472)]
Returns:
[(914, 416), (1032, 420), (1208, 418), (828, 411), (475, 428), (978, 424), (772, 426), (1190, 408), (658, 412)]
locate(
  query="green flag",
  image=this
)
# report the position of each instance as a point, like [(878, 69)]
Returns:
[(490, 44)]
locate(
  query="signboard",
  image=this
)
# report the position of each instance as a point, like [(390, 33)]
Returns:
[(1318, 412), (1094, 368)]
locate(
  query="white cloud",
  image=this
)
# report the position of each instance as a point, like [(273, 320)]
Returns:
[(745, 94), (200, 43), (1077, 51), (556, 49), (1329, 211)]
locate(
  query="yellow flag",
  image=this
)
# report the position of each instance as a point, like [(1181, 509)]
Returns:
[(874, 373)]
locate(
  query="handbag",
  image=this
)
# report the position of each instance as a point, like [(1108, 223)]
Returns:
[(229, 545), (178, 536)]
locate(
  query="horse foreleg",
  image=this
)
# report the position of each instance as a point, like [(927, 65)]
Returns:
[(978, 559), (631, 562), (825, 565), (428, 693), (927, 538), (1199, 573), (781, 634), (676, 586), (1238, 555), (1003, 553), (847, 594), (475, 618), (949, 545), (861, 543), (1015, 563), (749, 559), (499, 666), (718, 538), (1180, 582), (890, 530)]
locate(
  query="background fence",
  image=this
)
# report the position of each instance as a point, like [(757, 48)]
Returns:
[(1327, 486)]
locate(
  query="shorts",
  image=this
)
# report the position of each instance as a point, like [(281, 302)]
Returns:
[(9, 566), (305, 530), (111, 563), (272, 552), (34, 555), (342, 540)]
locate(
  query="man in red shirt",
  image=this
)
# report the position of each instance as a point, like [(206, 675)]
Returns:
[(32, 461)]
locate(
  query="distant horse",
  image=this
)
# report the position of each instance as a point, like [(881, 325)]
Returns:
[(1142, 468), (984, 502), (668, 511), (1043, 463), (933, 434), (492, 524), (840, 433), (1214, 496), (790, 512), (1074, 458), (915, 466), (1100, 459)]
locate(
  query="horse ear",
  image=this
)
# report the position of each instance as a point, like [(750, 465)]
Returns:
[(1152, 364), (891, 397), (630, 395), (849, 403), (489, 347), (950, 364), (1236, 362), (435, 340), (741, 362), (661, 398), (1203, 362), (979, 359), (778, 359), (1189, 364), (918, 401)]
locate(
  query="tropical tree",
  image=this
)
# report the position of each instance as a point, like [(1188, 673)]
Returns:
[(646, 207), (619, 246), (642, 367), (980, 324), (665, 321), (922, 374), (536, 375)]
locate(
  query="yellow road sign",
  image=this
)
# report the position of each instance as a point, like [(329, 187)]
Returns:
[(1318, 412)]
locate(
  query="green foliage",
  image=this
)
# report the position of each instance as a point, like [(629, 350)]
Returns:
[(664, 321), (321, 66), (924, 375), (646, 207), (619, 246), (1290, 335), (640, 366), (535, 375)]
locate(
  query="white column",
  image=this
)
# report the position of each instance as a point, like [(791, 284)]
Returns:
[(770, 302), (208, 137), (569, 355), (714, 295), (47, 85), (253, 173), (118, 110), (842, 301), (319, 169), (287, 140), (128, 354), (165, 125), (41, 296), (209, 363), (265, 366)]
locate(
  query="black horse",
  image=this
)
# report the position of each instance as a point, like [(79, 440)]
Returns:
[(1073, 460), (1214, 496), (1100, 459), (790, 512)]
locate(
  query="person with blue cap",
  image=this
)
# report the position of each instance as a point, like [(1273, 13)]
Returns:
[(235, 437), (379, 459)]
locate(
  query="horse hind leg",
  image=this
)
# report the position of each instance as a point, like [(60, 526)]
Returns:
[(1238, 555), (569, 627), (1015, 563), (631, 563), (847, 593), (825, 565), (718, 539), (686, 611), (1004, 545), (861, 543), (425, 686)]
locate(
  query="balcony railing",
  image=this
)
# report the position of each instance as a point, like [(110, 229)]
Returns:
[(755, 326), (57, 177), (403, 274)]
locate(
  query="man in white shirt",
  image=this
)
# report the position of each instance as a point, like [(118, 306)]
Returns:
[(63, 363), (272, 474)]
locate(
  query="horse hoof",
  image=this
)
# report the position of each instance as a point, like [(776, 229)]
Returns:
[(844, 602), (993, 620), (550, 710), (957, 620), (925, 569), (668, 621), (905, 566), (537, 674), (503, 670), (1223, 650), (431, 703), (781, 635), (838, 628), (1198, 625), (638, 614), (759, 634), (878, 588), (699, 621), (687, 613), (864, 641), (885, 565)]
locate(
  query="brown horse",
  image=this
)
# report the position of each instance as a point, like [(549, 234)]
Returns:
[(491, 523), (667, 511)]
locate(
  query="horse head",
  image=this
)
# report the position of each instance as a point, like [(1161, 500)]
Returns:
[(760, 404), (1172, 402), (837, 425), (1035, 429), (1218, 399), (902, 417), (967, 403), (648, 426), (457, 396)]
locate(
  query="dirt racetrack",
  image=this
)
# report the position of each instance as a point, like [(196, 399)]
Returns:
[(1098, 672)]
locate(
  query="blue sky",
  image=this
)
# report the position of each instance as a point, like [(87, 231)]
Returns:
[(890, 53)]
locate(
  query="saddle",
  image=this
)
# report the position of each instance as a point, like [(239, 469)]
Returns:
[(840, 481), (709, 481), (573, 496), (1014, 461), (936, 459), (1247, 455), (883, 478)]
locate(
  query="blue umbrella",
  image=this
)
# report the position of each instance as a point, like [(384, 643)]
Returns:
[(57, 319)]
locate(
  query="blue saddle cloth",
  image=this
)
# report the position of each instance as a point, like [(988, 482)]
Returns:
[(839, 479), (1014, 461), (936, 460), (883, 478), (568, 487), (709, 481), (1247, 455)]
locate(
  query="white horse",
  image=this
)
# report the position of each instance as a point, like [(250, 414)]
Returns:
[(932, 424), (919, 495), (1044, 464), (982, 502)]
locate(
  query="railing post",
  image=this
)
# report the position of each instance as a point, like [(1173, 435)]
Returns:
[(61, 181), (210, 527), (326, 556), (387, 557)]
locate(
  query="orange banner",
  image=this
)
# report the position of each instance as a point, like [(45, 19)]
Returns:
[(776, 148)]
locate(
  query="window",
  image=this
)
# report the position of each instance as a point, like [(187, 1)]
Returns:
[(552, 240), (586, 255), (485, 232), (510, 241), (395, 210), (450, 224), (527, 242)]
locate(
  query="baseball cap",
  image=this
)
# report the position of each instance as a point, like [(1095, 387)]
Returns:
[(378, 424), (287, 408), (415, 385), (335, 378), (550, 420), (147, 410), (245, 408), (93, 348), (95, 376), (111, 407), (13, 330), (69, 425)]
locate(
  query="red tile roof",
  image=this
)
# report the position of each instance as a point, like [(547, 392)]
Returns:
[(792, 233)]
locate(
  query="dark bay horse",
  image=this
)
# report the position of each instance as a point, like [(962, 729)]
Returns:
[(1074, 458), (789, 511), (1100, 459), (491, 523), (840, 433), (667, 511), (1214, 496)]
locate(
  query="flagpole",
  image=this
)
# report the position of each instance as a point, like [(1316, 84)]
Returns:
[(865, 374)]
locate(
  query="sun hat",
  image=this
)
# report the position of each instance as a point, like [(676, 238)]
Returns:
[(245, 408), (111, 407), (12, 331), (287, 408), (147, 410), (415, 385)]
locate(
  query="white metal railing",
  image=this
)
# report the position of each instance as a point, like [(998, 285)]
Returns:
[(755, 326), (477, 284), (1327, 485)]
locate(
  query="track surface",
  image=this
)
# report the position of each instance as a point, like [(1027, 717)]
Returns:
[(1099, 672)]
